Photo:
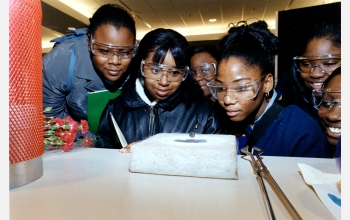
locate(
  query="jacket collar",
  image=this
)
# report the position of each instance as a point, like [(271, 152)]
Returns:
[(133, 100), (141, 92)]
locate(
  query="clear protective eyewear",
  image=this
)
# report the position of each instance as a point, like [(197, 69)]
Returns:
[(240, 91), (109, 50), (321, 99), (155, 71), (206, 70), (326, 64)]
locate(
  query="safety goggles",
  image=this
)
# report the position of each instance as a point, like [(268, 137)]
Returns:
[(326, 64), (109, 50), (204, 71), (239, 91), (322, 99), (155, 71)]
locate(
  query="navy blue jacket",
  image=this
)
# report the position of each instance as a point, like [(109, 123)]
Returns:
[(293, 134)]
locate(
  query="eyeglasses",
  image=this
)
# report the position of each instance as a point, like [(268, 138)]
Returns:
[(328, 104), (206, 70), (321, 99), (239, 91), (109, 50), (155, 71), (326, 64)]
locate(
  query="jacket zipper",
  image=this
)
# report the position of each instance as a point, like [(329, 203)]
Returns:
[(150, 121)]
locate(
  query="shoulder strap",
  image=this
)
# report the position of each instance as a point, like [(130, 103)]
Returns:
[(70, 35), (259, 129), (71, 68)]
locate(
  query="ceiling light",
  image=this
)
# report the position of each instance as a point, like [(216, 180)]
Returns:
[(212, 20), (82, 7)]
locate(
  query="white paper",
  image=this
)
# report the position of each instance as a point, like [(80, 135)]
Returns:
[(326, 187)]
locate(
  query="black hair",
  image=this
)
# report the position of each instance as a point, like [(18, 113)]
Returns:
[(205, 48), (160, 41), (329, 30), (114, 15), (253, 43)]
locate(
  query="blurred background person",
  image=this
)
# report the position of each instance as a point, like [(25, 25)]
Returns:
[(203, 66)]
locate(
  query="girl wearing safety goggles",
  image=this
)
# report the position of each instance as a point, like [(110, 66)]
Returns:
[(161, 95), (328, 102), (203, 65), (317, 56), (97, 61), (244, 88)]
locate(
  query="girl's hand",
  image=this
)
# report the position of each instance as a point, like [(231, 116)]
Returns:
[(127, 148)]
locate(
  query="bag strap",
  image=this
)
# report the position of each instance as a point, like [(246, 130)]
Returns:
[(259, 129), (71, 68), (70, 35)]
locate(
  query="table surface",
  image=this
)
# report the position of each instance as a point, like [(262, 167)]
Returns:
[(91, 183)]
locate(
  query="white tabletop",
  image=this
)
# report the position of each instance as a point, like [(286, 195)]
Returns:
[(96, 184)]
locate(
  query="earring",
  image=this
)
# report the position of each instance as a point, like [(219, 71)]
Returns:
[(267, 94)]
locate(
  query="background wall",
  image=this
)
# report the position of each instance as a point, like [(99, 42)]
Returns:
[(293, 23)]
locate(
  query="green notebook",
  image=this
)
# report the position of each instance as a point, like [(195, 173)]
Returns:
[(97, 101)]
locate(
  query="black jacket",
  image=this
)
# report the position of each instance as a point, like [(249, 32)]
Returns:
[(138, 120)]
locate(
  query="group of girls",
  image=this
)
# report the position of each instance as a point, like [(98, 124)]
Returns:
[(169, 88)]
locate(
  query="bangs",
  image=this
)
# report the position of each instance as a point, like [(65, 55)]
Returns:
[(161, 52)]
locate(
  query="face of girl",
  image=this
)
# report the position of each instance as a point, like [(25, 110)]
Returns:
[(196, 65), (319, 47), (111, 68), (234, 70), (163, 88), (329, 112)]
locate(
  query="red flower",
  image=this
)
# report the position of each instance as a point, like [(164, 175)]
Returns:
[(68, 137), (72, 125), (58, 121), (67, 146), (61, 133), (84, 126)]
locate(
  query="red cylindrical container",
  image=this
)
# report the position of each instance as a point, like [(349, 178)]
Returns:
[(25, 92)]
